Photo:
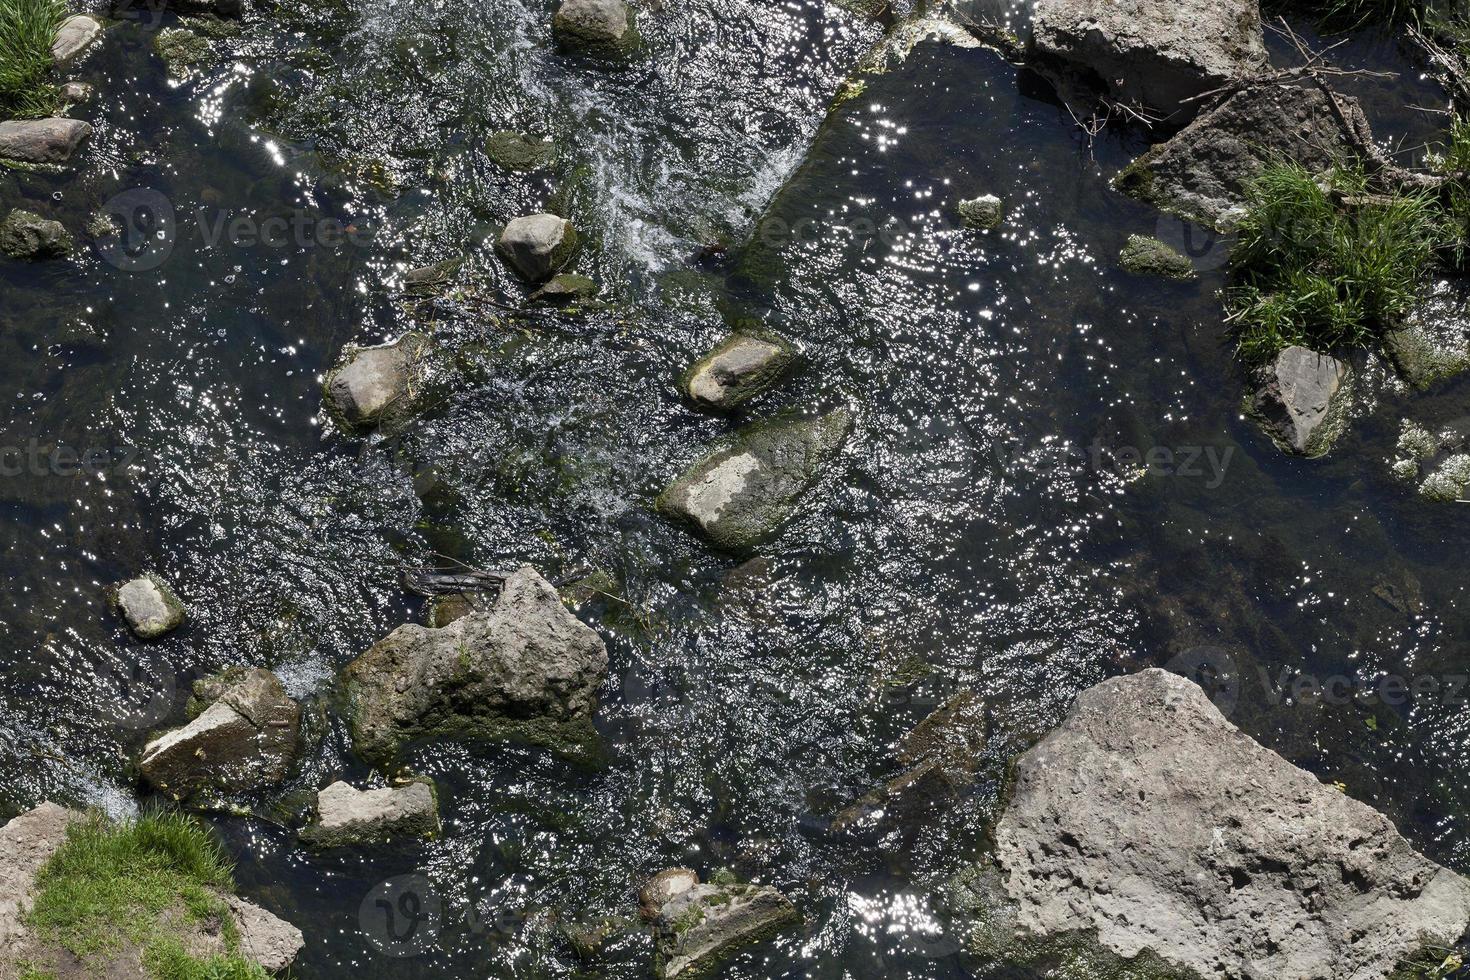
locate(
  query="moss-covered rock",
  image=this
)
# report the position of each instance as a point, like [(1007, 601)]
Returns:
[(27, 235), (597, 28), (183, 51), (697, 925), (518, 152), (148, 606), (739, 368), (982, 213), (1145, 256)]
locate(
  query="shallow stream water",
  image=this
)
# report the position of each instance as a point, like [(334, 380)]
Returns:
[(1049, 481)]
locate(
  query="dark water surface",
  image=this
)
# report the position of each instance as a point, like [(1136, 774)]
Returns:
[(995, 522)]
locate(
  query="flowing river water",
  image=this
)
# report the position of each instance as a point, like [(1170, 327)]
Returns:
[(1050, 480)]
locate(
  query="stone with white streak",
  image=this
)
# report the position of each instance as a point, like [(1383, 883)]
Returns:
[(347, 815)]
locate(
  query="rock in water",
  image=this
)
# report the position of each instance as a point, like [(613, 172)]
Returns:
[(1155, 53), (73, 37), (737, 370), (1301, 401), (695, 925), (982, 213), (1150, 820), (346, 815), (526, 670), (246, 738), (1433, 341), (603, 28), (1202, 173), (148, 606), (566, 288), (740, 495), (518, 152), (1144, 256), (42, 140), (369, 381), (27, 235), (537, 247)]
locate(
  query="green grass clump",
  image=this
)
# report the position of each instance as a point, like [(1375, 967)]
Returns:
[(139, 883), (27, 28), (1327, 268)]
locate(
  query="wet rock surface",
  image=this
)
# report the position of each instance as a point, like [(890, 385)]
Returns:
[(1144, 256), (246, 737), (696, 925), (740, 367), (1202, 172), (42, 141), (347, 815), (982, 213), (1301, 401), (568, 287), (74, 37), (526, 670), (28, 236), (1154, 53), (603, 28), (371, 382), (148, 606), (1148, 820), (537, 246), (741, 495), (518, 152)]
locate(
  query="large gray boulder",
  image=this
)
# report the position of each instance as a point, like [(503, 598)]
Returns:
[(148, 606), (1154, 53), (1203, 172), (537, 246), (526, 669), (26, 235), (1148, 821), (246, 737), (42, 140), (602, 28), (695, 925), (739, 368), (1301, 400), (74, 37), (347, 815), (369, 382), (739, 496)]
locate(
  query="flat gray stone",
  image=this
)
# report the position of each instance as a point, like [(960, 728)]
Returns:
[(74, 37), (525, 670), (1148, 821), (740, 367), (699, 924), (246, 738), (26, 844), (537, 246), (28, 236), (1301, 401), (347, 815), (740, 495), (42, 140), (149, 606), (1155, 53), (265, 938), (368, 382)]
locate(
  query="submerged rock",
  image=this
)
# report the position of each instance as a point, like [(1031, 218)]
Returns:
[(1433, 342), (1150, 822), (42, 140), (695, 925), (346, 815), (74, 37), (537, 246), (741, 367), (1301, 401), (246, 737), (568, 287), (1144, 256), (26, 235), (1154, 53), (148, 606), (740, 495), (982, 213), (75, 92), (428, 278), (182, 50), (942, 755), (1202, 173), (1439, 462), (603, 28), (518, 152), (368, 382), (526, 670)]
